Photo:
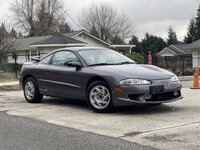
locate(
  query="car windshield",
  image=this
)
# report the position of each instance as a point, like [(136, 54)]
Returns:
[(104, 57)]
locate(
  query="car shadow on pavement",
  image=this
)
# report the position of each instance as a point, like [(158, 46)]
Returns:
[(134, 109), (147, 109), (65, 102)]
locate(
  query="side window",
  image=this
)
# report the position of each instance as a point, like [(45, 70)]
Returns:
[(46, 60), (62, 57)]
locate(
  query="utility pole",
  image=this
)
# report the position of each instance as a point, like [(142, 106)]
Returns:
[(14, 55)]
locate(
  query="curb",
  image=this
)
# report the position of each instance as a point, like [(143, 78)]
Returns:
[(15, 87)]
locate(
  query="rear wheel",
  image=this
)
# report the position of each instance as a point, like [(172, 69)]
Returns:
[(31, 91), (99, 97)]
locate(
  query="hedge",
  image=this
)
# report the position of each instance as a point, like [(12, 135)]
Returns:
[(10, 67)]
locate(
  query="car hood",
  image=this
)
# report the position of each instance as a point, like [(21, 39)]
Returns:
[(149, 72)]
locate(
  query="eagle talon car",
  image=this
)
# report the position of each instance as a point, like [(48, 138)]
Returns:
[(102, 77)]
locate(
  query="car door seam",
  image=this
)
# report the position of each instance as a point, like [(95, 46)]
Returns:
[(62, 83)]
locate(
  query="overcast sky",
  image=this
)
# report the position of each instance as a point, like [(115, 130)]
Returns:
[(152, 16)]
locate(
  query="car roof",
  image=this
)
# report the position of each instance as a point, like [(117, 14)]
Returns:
[(80, 48)]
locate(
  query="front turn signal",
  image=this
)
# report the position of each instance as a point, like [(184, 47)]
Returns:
[(118, 90)]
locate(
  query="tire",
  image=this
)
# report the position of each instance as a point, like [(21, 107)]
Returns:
[(31, 91), (104, 103)]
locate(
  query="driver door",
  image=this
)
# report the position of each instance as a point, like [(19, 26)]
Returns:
[(63, 80)]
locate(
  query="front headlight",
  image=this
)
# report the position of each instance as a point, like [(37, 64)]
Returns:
[(174, 79), (134, 82)]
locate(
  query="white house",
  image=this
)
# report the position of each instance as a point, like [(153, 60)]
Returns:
[(26, 48), (176, 54), (195, 47)]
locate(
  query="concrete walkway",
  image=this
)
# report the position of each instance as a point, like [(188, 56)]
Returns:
[(168, 127)]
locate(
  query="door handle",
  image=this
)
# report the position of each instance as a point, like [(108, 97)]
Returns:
[(47, 71)]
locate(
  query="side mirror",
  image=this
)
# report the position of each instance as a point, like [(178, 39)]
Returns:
[(73, 64)]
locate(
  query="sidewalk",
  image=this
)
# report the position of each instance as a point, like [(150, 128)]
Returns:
[(186, 78), (10, 86)]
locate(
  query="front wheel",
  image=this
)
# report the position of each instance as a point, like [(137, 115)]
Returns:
[(99, 97), (31, 91)]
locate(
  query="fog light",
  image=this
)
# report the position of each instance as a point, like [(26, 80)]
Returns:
[(176, 93), (148, 96)]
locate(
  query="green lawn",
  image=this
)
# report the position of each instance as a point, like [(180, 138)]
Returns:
[(7, 77)]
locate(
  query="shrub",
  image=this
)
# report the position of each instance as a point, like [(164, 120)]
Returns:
[(136, 57)]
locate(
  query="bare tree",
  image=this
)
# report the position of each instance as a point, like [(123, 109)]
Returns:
[(38, 17), (8, 45), (105, 22)]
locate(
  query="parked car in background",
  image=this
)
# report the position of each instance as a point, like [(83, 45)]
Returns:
[(102, 77)]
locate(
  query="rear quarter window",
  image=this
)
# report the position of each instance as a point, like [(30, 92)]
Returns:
[(46, 60)]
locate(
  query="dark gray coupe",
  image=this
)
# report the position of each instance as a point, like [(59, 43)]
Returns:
[(102, 77)]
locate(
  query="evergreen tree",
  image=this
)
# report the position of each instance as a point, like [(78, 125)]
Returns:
[(135, 41), (197, 25), (65, 28), (13, 33), (3, 32), (190, 37), (20, 36), (152, 43), (172, 37)]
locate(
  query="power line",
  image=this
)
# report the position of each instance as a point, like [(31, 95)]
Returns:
[(69, 16)]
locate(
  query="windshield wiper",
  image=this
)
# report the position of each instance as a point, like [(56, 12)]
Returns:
[(121, 63), (99, 64), (126, 62)]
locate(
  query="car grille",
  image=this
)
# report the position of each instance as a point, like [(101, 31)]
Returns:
[(156, 97), (164, 96)]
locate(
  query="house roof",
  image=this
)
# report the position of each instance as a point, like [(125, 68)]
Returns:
[(75, 33), (58, 40), (184, 47), (166, 49), (24, 43), (178, 49), (195, 44), (71, 34)]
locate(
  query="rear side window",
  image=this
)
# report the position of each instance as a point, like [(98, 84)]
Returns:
[(62, 57), (46, 60)]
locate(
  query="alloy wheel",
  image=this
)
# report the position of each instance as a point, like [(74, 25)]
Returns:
[(100, 97)]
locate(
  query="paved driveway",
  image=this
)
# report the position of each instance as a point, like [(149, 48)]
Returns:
[(169, 126)]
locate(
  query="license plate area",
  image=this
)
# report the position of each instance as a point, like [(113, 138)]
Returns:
[(156, 89)]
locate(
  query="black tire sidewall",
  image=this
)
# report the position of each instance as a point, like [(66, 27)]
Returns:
[(109, 108), (37, 97)]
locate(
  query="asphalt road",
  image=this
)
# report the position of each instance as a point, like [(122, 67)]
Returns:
[(18, 133)]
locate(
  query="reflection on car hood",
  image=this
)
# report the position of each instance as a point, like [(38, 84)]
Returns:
[(149, 72)]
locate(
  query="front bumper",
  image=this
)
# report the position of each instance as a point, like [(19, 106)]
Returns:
[(143, 93)]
